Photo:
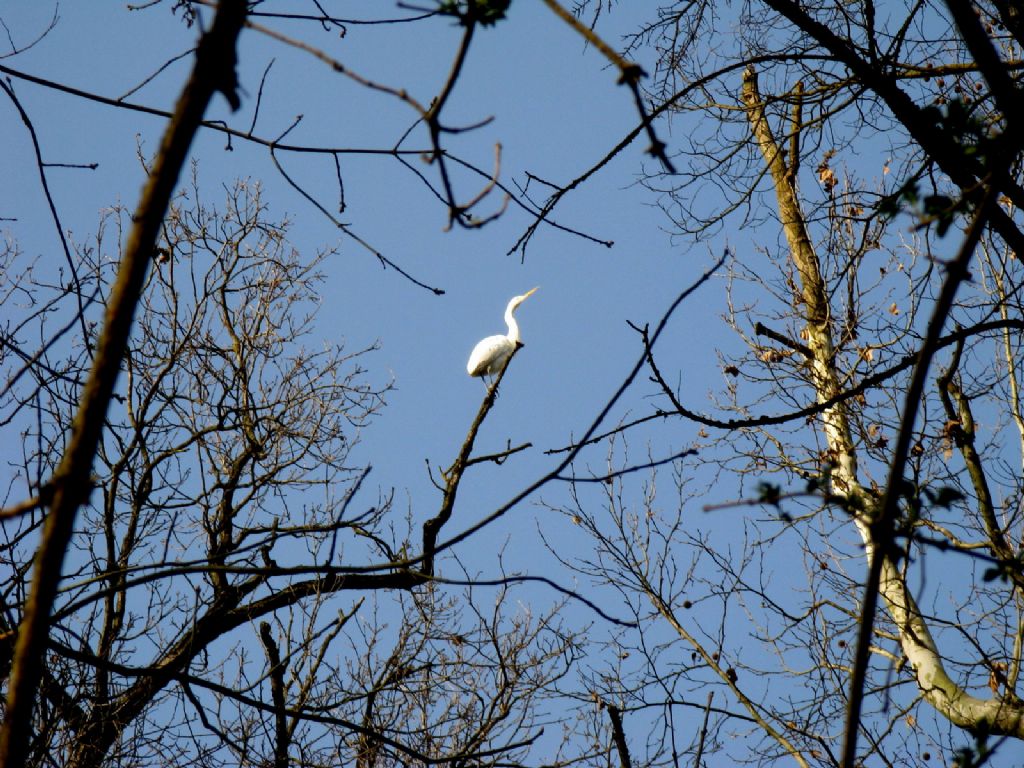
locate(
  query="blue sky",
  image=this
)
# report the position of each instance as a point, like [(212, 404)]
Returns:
[(556, 110)]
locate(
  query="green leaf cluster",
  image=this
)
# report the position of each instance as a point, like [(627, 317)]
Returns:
[(976, 145), (487, 13)]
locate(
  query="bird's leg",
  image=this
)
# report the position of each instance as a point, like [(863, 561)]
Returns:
[(497, 376)]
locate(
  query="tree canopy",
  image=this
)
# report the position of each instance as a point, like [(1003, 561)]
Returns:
[(757, 500)]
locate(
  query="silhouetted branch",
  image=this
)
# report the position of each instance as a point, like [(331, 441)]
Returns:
[(79, 293), (214, 71), (867, 383), (453, 475), (276, 675), (883, 526), (703, 732), (629, 75), (609, 476), (618, 734), (506, 580)]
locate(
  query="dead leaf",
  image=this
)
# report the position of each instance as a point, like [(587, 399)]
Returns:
[(997, 676), (775, 355), (827, 177)]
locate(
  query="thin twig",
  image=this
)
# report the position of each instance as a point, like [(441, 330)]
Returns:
[(703, 732), (385, 262), (506, 580), (607, 478), (53, 209), (259, 96), (629, 75)]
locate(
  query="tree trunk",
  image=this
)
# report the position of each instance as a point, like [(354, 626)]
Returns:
[(993, 715)]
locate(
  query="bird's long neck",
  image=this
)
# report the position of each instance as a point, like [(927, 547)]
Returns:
[(513, 326)]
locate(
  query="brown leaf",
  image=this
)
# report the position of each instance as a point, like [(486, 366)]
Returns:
[(997, 676), (775, 355), (827, 177)]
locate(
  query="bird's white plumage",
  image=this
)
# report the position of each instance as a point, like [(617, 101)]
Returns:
[(490, 354)]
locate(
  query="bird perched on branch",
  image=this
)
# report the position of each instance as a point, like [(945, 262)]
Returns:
[(490, 354)]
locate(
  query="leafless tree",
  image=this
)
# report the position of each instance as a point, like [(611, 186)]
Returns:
[(214, 607), (870, 411), (186, 484)]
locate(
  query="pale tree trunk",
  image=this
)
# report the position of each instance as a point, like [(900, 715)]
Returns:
[(996, 715)]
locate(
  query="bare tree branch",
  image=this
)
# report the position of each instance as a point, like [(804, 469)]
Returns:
[(214, 71)]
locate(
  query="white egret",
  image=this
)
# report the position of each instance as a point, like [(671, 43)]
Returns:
[(490, 354)]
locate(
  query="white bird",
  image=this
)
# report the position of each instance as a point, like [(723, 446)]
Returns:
[(490, 354)]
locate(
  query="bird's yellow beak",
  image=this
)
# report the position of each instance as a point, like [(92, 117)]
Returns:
[(530, 292)]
